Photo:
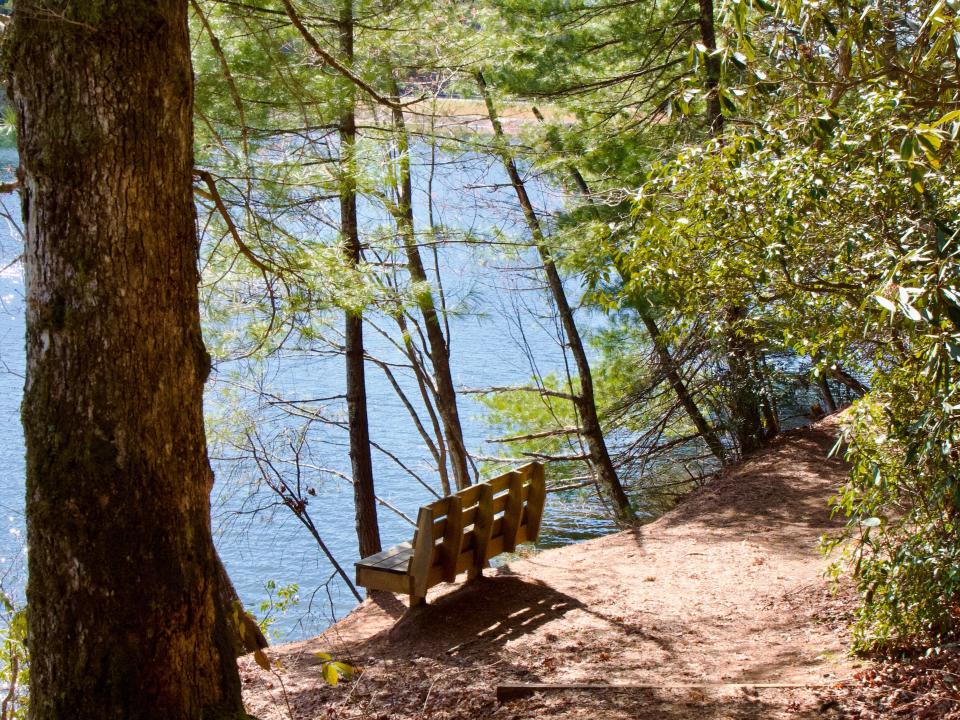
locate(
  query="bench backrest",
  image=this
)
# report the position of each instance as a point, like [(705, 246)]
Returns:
[(464, 530)]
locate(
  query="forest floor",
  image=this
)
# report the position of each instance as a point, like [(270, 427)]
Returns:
[(726, 589)]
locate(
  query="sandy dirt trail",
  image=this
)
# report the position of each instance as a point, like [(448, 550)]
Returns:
[(726, 588)]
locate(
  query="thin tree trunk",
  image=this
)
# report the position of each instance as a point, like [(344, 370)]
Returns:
[(825, 393), (585, 401), (437, 444), (667, 363), (446, 394), (746, 413), (364, 495), (124, 617), (708, 37), (746, 404), (845, 378)]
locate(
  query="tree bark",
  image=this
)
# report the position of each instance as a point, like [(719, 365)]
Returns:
[(123, 613), (829, 402), (446, 394), (585, 402), (361, 463), (746, 413), (708, 37), (826, 394)]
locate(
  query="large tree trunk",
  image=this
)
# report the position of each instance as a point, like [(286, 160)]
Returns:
[(364, 496), (446, 394), (122, 596), (585, 402)]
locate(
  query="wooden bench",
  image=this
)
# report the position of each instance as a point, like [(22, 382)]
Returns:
[(461, 532)]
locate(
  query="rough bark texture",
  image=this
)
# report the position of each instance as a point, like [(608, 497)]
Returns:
[(248, 637), (364, 495), (123, 612), (446, 394), (585, 403)]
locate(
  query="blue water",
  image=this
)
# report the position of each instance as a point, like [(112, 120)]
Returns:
[(501, 309)]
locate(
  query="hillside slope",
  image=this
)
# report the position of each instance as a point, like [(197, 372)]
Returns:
[(726, 588)]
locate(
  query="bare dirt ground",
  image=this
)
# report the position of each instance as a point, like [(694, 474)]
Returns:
[(727, 588)]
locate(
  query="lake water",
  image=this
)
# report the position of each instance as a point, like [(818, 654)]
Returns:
[(503, 312)]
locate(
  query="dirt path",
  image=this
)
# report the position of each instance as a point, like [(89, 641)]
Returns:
[(726, 588)]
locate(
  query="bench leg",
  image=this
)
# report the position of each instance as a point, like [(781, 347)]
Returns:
[(416, 601), (475, 573)]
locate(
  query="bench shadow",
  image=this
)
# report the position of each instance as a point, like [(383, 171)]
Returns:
[(479, 616)]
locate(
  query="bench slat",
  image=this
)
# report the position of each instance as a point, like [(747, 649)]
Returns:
[(513, 512), (482, 528), (378, 580), (537, 496), (452, 539), (386, 555), (424, 549)]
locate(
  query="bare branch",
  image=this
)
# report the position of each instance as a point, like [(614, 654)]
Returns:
[(520, 388), (535, 435)]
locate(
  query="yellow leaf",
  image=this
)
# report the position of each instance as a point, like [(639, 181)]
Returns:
[(262, 660), (331, 675)]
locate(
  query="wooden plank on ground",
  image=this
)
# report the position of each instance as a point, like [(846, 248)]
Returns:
[(506, 693)]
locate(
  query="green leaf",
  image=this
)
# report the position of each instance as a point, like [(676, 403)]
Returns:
[(907, 148), (917, 174)]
